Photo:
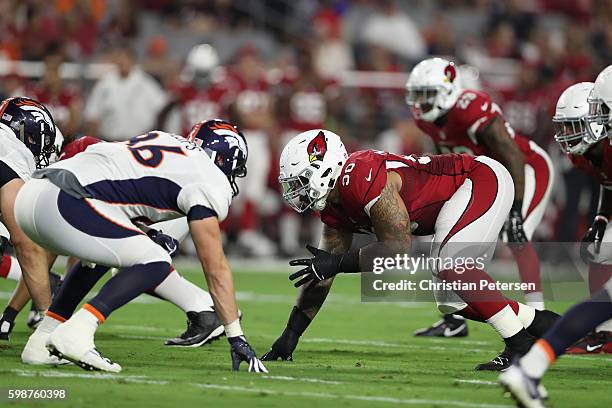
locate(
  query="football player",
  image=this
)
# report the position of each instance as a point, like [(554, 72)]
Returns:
[(92, 205), (457, 198), (203, 325), (583, 131), (468, 121), (28, 134)]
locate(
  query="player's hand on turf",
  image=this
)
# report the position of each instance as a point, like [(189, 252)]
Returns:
[(514, 227), (165, 241), (594, 235), (283, 347), (322, 266), (242, 351)]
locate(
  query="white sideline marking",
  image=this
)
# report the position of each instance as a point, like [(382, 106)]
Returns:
[(304, 379), (479, 382), (146, 380)]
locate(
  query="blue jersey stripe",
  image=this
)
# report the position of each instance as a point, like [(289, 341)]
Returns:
[(150, 191)]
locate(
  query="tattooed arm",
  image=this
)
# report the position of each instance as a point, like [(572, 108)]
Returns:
[(497, 140), (391, 224)]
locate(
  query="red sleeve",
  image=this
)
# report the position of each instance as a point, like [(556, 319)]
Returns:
[(472, 112), (77, 146), (362, 179)]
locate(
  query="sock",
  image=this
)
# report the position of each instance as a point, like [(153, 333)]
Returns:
[(10, 268), (526, 314), (535, 300), (599, 274), (10, 314), (184, 294), (48, 324), (579, 320), (605, 326), (543, 320), (88, 318), (505, 322), (77, 283), (484, 303), (528, 264), (126, 285), (537, 360)]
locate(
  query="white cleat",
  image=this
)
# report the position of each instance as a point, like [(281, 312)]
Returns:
[(69, 341), (524, 390), (36, 353)]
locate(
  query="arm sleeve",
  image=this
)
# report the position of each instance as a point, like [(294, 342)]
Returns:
[(6, 174)]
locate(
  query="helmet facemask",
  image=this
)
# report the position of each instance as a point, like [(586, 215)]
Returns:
[(300, 192), (41, 143), (572, 135), (598, 120)]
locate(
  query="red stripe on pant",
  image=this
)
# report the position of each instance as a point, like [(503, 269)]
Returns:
[(542, 177), (5, 266)]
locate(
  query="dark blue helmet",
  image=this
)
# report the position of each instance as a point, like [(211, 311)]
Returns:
[(226, 146), (33, 124)]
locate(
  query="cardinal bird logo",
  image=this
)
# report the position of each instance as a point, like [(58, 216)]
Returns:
[(317, 147), (450, 72)]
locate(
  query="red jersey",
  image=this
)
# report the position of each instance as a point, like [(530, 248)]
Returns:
[(601, 172), (77, 146), (308, 102), (250, 97), (59, 105), (470, 114), (427, 183), (200, 104)]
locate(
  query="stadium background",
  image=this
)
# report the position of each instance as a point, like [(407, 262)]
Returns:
[(359, 53)]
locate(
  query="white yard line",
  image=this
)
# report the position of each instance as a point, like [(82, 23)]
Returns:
[(303, 379), (253, 390), (477, 382)]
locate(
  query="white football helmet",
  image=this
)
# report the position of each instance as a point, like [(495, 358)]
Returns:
[(200, 64), (599, 118), (570, 127), (310, 164), (433, 88)]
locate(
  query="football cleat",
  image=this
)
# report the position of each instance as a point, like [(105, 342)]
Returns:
[(592, 343), (36, 353), (6, 327), (448, 326), (70, 341), (526, 391), (202, 328), (500, 363)]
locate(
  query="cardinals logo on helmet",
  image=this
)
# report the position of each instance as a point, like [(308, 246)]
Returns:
[(317, 147), (450, 72)]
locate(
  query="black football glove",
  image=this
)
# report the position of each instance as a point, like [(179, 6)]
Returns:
[(323, 265), (283, 347), (514, 227), (594, 235), (242, 351), (165, 241)]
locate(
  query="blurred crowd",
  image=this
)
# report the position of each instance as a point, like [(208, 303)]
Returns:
[(277, 67)]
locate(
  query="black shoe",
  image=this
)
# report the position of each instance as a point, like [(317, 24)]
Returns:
[(6, 327), (202, 328), (449, 326), (499, 363), (35, 317)]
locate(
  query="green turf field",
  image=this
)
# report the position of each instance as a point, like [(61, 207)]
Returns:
[(354, 354)]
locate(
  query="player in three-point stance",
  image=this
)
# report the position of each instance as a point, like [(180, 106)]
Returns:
[(456, 198), (88, 207)]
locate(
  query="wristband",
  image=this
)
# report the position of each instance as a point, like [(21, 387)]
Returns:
[(349, 262), (517, 205), (233, 329), (298, 321)]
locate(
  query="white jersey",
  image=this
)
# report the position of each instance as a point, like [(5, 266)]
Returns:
[(152, 178), (15, 154)]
